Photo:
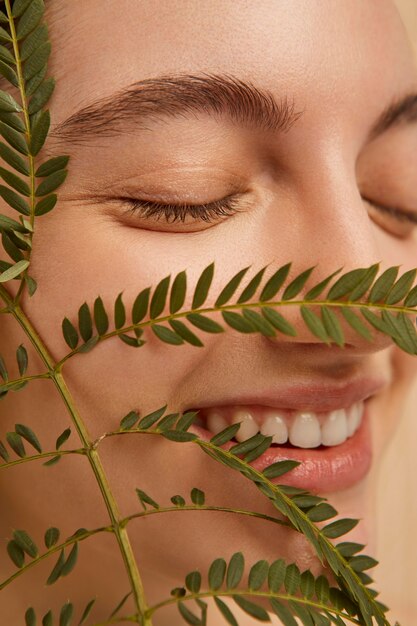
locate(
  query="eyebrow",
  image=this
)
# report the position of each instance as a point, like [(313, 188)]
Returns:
[(178, 95)]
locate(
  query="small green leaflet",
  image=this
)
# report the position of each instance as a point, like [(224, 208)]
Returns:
[(14, 271), (203, 286)]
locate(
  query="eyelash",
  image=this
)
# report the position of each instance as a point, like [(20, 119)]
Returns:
[(225, 207)]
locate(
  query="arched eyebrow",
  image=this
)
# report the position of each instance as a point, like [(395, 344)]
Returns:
[(183, 95), (177, 95)]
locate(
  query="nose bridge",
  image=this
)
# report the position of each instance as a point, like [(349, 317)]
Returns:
[(330, 229), (334, 227)]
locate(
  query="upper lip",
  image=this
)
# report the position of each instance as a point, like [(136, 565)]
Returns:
[(307, 396)]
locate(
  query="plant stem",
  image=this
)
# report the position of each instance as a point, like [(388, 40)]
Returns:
[(92, 455)]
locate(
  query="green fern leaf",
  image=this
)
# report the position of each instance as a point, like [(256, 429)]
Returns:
[(178, 291), (193, 581), (14, 200), (145, 499), (56, 571), (204, 323), (15, 181), (119, 606), (70, 333), (315, 291), (297, 285), (230, 288), (216, 574), (178, 500), (275, 283), (259, 322), (30, 18), (225, 435), (33, 41), (36, 61), (119, 312), (188, 615), (238, 322), (3, 453), (63, 437), (66, 614), (8, 103), (159, 298), (45, 205), (347, 283), (235, 570), (6, 56), (321, 512), (251, 608), (292, 579), (383, 285), (101, 319), (366, 282), (258, 574), (185, 420), (356, 323), (250, 289), (16, 553), (28, 434), (69, 564), (226, 612), (129, 420), (401, 288), (167, 335), (15, 442), (6, 71), (279, 468), (51, 182), (340, 527), (30, 617), (203, 286), (34, 83), (27, 544), (332, 325), (47, 619), (283, 613), (22, 359), (278, 321), (51, 537), (87, 611), (307, 584), (37, 140), (314, 323), (150, 419), (140, 306), (13, 159), (19, 6), (181, 329), (197, 496)]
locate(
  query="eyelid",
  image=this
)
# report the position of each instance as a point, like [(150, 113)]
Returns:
[(395, 212)]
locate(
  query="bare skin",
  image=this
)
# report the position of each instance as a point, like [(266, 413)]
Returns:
[(303, 201)]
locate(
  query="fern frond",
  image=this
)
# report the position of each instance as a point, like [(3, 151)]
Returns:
[(24, 125)]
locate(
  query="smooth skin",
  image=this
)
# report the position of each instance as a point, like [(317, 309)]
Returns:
[(342, 63)]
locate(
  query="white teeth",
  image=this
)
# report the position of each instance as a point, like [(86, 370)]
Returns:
[(248, 427), (354, 417), (334, 430), (216, 422), (275, 425), (305, 431)]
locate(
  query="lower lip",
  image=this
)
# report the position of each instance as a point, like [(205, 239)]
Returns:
[(322, 470)]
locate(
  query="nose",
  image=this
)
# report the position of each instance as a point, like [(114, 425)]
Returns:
[(325, 225)]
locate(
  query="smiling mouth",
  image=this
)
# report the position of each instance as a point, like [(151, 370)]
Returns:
[(327, 430), (288, 428)]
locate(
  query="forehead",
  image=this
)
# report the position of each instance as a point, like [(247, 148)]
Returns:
[(328, 56)]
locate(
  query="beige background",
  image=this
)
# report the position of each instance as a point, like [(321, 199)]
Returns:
[(397, 496)]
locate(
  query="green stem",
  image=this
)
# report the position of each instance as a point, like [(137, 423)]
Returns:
[(250, 305), (56, 548), (261, 594), (204, 507), (92, 455), (42, 455)]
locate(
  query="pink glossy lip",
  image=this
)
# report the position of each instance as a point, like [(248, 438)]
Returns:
[(324, 469)]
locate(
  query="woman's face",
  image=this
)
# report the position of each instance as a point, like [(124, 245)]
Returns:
[(300, 188)]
